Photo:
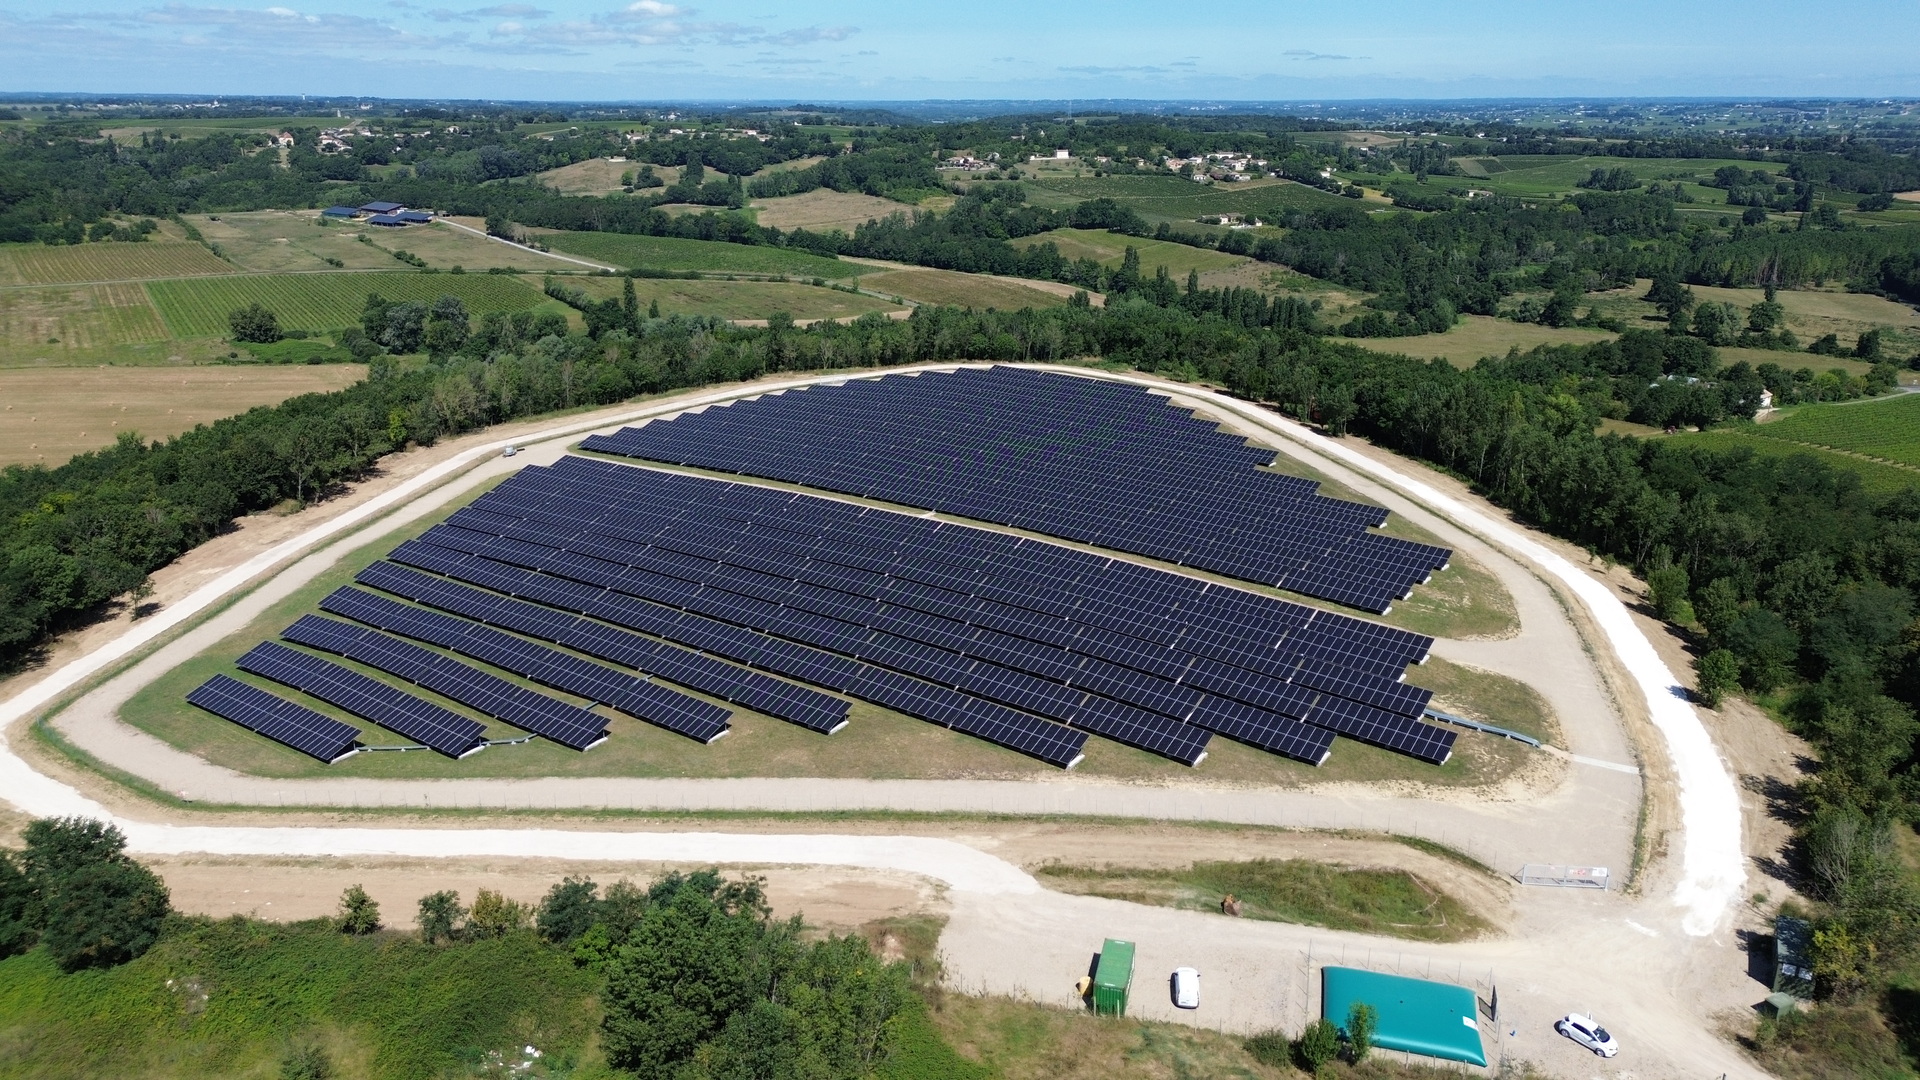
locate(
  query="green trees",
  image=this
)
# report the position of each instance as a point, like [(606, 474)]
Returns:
[(1319, 1044), (255, 324), (1362, 1018), (74, 890), (708, 986)]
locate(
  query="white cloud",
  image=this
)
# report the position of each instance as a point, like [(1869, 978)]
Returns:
[(653, 8)]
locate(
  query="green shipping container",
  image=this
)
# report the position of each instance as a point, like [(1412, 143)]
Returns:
[(1112, 978)]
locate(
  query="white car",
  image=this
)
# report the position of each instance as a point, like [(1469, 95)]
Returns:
[(1186, 988), (1587, 1031)]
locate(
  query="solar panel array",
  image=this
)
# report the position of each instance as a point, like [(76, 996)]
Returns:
[(489, 695), (549, 667), (1018, 640), (797, 704), (277, 718), (370, 699), (1089, 460)]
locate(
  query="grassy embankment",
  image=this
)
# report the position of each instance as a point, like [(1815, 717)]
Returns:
[(1393, 903)]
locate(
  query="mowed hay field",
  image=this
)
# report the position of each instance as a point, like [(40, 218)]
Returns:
[(39, 264), (199, 307), (1110, 249), (823, 210), (737, 299), (51, 414), (959, 290), (1888, 428), (53, 323), (712, 256), (1810, 314)]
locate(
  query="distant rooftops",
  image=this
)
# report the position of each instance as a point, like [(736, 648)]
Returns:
[(414, 217), (389, 220), (382, 207), (339, 211)]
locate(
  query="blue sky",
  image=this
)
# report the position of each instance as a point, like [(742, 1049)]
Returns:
[(889, 50)]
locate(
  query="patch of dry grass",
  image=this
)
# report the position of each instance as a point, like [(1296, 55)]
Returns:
[(961, 290), (823, 210)]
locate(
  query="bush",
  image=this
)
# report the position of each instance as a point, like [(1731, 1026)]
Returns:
[(1667, 595), (306, 1062), (1271, 1048), (440, 915), (359, 914), (254, 323), (1319, 1044), (1361, 1020), (1719, 672)]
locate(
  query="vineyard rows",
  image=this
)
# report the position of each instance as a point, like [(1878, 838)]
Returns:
[(199, 308), (38, 264), (714, 256), (1882, 429)]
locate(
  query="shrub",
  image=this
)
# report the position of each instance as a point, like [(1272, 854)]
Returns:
[(494, 915), (1271, 1048), (1719, 672), (1667, 594), (306, 1062), (1361, 1020), (440, 915), (359, 914), (1319, 1044)]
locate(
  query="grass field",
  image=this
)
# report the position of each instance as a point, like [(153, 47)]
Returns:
[(1109, 249), (598, 176), (738, 299), (1888, 428), (1476, 337), (1176, 199), (961, 290), (1393, 903), (823, 210), (39, 264), (53, 323), (50, 414), (1546, 175), (1810, 313), (199, 307), (673, 253), (877, 743), (1874, 476)]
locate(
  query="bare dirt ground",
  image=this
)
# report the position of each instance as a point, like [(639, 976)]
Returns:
[(289, 890)]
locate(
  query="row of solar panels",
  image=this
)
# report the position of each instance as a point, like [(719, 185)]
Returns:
[(1022, 656), (1087, 460), (668, 511)]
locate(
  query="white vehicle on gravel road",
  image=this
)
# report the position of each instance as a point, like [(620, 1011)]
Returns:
[(1586, 1031), (1186, 988)]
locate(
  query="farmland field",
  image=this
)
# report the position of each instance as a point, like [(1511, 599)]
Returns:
[(51, 323), (1874, 476), (283, 241), (823, 210), (960, 290), (1109, 249), (199, 307), (1810, 313), (51, 414), (1888, 428), (39, 264), (1176, 199), (1543, 175), (673, 253), (737, 299)]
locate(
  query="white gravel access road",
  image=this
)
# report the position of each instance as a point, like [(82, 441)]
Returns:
[(1713, 865)]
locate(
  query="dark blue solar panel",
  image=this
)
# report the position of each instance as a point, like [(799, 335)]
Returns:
[(422, 721), (297, 726)]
